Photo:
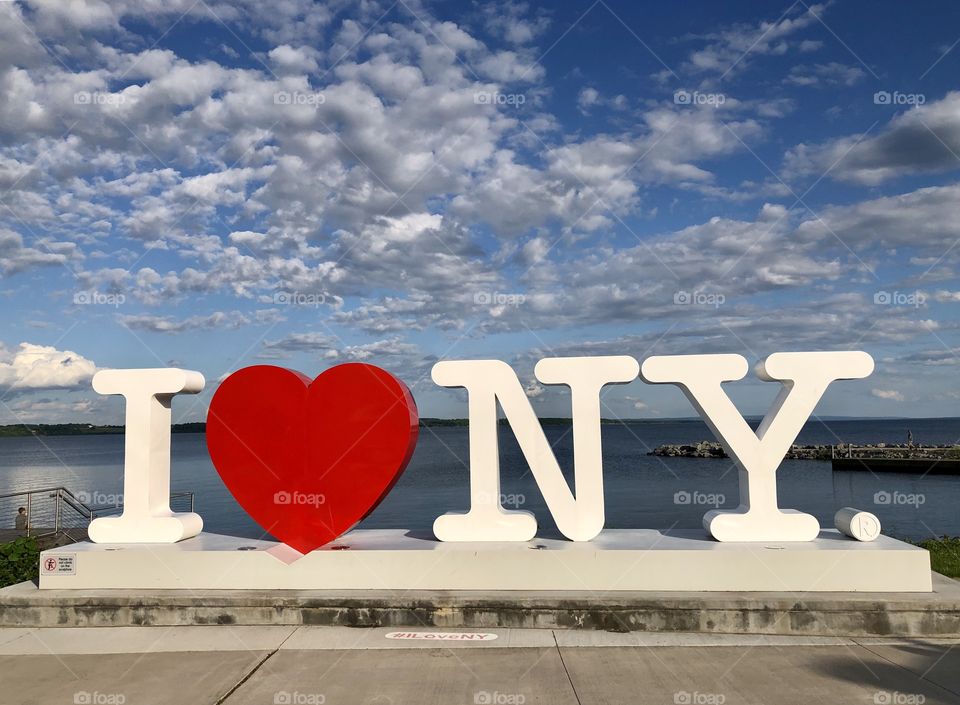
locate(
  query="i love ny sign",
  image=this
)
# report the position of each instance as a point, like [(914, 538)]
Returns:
[(309, 459)]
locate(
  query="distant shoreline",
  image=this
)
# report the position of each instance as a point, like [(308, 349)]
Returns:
[(82, 429)]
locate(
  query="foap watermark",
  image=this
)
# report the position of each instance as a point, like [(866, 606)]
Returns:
[(298, 498), (99, 98), (714, 100), (699, 298), (712, 499), (899, 499), (299, 298), (287, 697), (97, 298), (900, 298), (506, 500), (496, 98), (898, 98), (495, 697), (685, 697), (102, 499), (497, 298), (895, 697), (85, 697), (306, 98)]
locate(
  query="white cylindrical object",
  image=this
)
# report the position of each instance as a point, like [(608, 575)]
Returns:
[(859, 525)]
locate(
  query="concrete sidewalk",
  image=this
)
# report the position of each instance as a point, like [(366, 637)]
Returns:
[(330, 665)]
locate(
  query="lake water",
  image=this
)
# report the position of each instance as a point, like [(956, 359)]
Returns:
[(642, 491)]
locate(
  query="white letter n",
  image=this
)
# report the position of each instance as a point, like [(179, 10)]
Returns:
[(579, 517)]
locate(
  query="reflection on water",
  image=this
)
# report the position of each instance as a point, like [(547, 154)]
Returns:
[(641, 491)]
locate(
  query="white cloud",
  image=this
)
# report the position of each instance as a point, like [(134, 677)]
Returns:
[(533, 389), (733, 48), (34, 367), (45, 410), (514, 21), (587, 98), (17, 257), (925, 219), (924, 138), (888, 394), (405, 360), (939, 357), (300, 59), (218, 320), (829, 74)]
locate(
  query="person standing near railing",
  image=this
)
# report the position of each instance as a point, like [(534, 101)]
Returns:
[(21, 522)]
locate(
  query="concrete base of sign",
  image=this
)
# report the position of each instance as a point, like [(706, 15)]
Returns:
[(617, 560), (820, 614)]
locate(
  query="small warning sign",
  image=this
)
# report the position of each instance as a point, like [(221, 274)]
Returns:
[(59, 564)]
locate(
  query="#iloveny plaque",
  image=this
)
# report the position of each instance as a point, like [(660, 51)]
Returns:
[(309, 459)]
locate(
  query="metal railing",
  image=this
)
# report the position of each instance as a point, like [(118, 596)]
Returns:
[(53, 511)]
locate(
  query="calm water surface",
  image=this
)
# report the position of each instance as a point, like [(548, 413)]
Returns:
[(640, 489)]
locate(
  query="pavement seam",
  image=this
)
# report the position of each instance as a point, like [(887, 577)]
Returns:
[(564, 664), (921, 676), (30, 630), (249, 675)]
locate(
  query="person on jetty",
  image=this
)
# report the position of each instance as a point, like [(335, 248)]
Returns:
[(20, 523)]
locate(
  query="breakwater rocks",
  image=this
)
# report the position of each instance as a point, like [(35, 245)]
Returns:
[(892, 451), (703, 449)]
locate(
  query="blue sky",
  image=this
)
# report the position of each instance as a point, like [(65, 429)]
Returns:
[(218, 184)]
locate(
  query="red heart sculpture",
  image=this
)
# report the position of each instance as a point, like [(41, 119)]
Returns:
[(308, 460)]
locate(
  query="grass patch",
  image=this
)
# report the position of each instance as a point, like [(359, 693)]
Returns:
[(19, 561), (944, 555)]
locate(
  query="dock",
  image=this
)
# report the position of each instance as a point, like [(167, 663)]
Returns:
[(873, 457), (904, 458)]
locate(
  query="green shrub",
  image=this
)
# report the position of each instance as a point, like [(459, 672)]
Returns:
[(19, 561), (944, 555)]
